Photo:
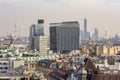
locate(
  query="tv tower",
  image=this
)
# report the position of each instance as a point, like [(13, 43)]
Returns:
[(15, 31)]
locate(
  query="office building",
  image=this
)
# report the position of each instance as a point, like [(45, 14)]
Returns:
[(95, 34), (31, 37), (39, 28), (41, 44), (85, 26), (82, 34), (106, 33), (86, 33), (64, 36), (36, 30)]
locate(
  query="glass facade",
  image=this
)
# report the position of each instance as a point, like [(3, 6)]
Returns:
[(64, 37)]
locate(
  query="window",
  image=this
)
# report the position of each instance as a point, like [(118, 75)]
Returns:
[(0, 67), (3, 71), (5, 67), (4, 63)]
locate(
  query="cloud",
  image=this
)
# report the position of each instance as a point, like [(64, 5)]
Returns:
[(77, 2), (87, 2), (98, 12), (114, 2), (55, 2), (8, 1)]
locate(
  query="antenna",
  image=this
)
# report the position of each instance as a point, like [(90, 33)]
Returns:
[(15, 27), (19, 32), (15, 32)]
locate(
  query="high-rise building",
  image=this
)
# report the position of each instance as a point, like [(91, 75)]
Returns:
[(85, 26), (31, 37), (96, 34), (37, 38), (106, 33), (82, 34), (86, 33), (39, 28), (64, 36), (41, 44)]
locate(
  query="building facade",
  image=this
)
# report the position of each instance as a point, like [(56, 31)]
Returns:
[(86, 33), (36, 36), (95, 36), (41, 44), (31, 37), (64, 36), (6, 65), (106, 50)]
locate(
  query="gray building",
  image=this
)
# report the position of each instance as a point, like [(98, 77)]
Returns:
[(96, 34), (85, 26), (64, 36), (82, 34), (35, 30), (39, 28), (86, 33), (31, 37)]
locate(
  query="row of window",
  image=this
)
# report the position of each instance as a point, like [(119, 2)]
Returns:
[(3, 63), (3, 68)]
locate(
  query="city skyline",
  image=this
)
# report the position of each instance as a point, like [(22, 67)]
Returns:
[(100, 14)]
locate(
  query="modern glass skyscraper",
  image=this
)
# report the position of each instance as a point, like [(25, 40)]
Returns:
[(64, 36), (86, 33), (31, 36), (96, 34), (36, 30), (85, 26), (39, 28)]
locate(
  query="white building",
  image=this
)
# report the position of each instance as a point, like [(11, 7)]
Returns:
[(14, 76), (41, 44), (6, 65), (17, 63)]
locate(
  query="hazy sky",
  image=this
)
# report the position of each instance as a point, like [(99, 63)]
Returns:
[(100, 14)]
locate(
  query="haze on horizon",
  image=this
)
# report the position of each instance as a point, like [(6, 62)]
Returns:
[(100, 14)]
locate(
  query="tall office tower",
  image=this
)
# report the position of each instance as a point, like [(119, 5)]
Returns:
[(85, 26), (106, 34), (64, 36), (82, 34), (96, 34), (86, 33), (39, 28), (36, 30), (31, 36)]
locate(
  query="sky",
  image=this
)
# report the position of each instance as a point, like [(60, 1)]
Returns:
[(100, 14)]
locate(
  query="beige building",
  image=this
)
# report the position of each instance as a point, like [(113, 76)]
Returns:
[(106, 50), (41, 44), (18, 63)]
